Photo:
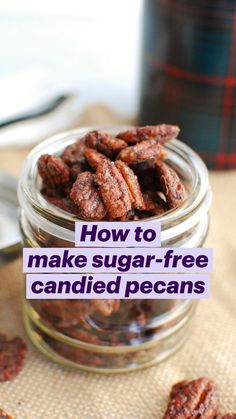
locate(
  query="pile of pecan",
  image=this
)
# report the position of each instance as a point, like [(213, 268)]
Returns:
[(195, 399), (112, 178), (101, 177)]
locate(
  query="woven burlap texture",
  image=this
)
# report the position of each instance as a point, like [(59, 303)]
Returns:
[(44, 390)]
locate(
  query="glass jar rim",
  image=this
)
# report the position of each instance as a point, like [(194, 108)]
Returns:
[(61, 223)]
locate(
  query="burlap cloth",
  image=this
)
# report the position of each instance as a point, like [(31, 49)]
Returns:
[(44, 390)]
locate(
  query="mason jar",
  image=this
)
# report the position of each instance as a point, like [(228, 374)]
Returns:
[(139, 333)]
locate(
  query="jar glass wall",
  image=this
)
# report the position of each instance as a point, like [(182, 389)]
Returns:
[(139, 332)]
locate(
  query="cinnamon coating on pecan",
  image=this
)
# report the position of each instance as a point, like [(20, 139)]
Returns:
[(229, 416), (145, 150), (132, 183), (85, 195), (170, 184), (12, 355), (106, 307), (113, 189), (193, 399), (161, 133), (53, 171), (93, 157), (104, 143)]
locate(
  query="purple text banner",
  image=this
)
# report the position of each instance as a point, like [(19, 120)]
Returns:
[(118, 234), (74, 286), (118, 260)]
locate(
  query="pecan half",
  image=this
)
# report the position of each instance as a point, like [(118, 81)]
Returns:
[(193, 399), (53, 171), (161, 133), (145, 150), (106, 307), (229, 416), (93, 157), (170, 184), (73, 153), (12, 355), (113, 189), (85, 195), (104, 143), (133, 185)]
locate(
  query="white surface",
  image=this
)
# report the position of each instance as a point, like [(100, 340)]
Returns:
[(28, 91), (92, 45)]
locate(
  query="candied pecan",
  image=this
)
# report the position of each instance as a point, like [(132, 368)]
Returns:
[(229, 416), (66, 204), (170, 184), (132, 182), (4, 415), (53, 171), (93, 157), (12, 355), (74, 153), (145, 150), (193, 399), (154, 204), (106, 307), (104, 143), (85, 195), (162, 133), (113, 189)]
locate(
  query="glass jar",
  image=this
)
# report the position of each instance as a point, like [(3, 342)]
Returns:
[(142, 332)]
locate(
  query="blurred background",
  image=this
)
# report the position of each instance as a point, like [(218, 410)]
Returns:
[(90, 46), (86, 50), (77, 63)]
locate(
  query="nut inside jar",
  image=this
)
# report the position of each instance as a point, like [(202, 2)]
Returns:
[(118, 178), (102, 176)]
